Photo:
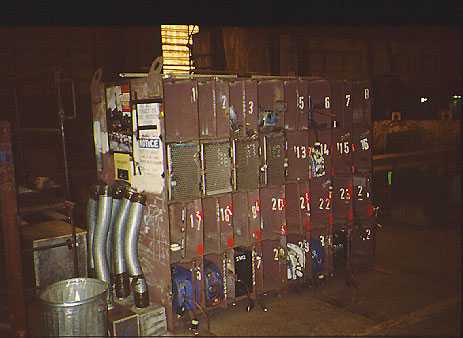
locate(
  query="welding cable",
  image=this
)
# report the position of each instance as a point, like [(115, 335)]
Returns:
[(92, 207), (121, 277), (101, 233), (140, 291)]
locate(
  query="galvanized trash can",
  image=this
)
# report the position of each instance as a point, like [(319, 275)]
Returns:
[(75, 307)]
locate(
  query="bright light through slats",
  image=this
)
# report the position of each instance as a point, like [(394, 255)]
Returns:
[(175, 51)]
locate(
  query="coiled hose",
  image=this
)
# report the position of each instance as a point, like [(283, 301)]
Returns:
[(140, 291)]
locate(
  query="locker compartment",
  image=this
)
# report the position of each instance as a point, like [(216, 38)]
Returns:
[(214, 280), (274, 264), (217, 168), (361, 145), (187, 288), (257, 268), (342, 103), (342, 199), (297, 104), (361, 112), (273, 203), (321, 199), (320, 160), (342, 151), (273, 150), (213, 107), (340, 238), (272, 104), (363, 246), (184, 163), (298, 154), (246, 218), (320, 105), (363, 207), (247, 164), (181, 110), (244, 113), (297, 207), (186, 230), (218, 223), (243, 272), (298, 258), (320, 251)]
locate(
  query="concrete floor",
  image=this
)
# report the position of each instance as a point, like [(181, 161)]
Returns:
[(414, 290)]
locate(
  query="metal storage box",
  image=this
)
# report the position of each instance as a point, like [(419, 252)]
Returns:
[(246, 164), (361, 146), (213, 107), (246, 218), (320, 105), (273, 202), (272, 104), (342, 200), (320, 161), (321, 194), (273, 150), (298, 155), (342, 151), (244, 109), (297, 207), (48, 253), (361, 99), (217, 168), (342, 103), (363, 243), (218, 223), (298, 258), (320, 245), (297, 105), (274, 264)]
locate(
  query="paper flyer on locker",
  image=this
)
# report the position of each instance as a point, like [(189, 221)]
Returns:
[(147, 150)]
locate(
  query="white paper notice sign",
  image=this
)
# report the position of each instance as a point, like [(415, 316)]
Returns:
[(148, 149)]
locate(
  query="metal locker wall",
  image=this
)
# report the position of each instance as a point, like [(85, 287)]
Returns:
[(298, 154), (181, 110), (186, 230), (361, 112), (361, 146), (320, 160), (274, 265), (273, 204), (217, 168), (247, 164), (342, 200), (297, 104), (218, 223), (320, 105), (273, 148), (184, 179), (342, 151), (272, 105)]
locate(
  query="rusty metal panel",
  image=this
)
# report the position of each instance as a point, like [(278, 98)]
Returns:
[(321, 252), (342, 201), (181, 110), (246, 218), (361, 146), (247, 164), (320, 161), (255, 215), (274, 265), (273, 205), (342, 151), (217, 167), (297, 207), (207, 109), (297, 101), (321, 198), (320, 105), (361, 113), (184, 170), (298, 257), (257, 268), (272, 104), (186, 230), (218, 223), (222, 103), (244, 112), (363, 246), (342, 103), (274, 159), (298, 154), (363, 207)]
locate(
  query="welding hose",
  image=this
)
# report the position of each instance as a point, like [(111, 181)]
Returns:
[(140, 291), (121, 277), (92, 207)]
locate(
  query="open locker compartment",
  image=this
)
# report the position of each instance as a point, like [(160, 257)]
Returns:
[(215, 280), (320, 245), (342, 151), (188, 300), (320, 106), (244, 273), (342, 103), (246, 218), (247, 164), (273, 159), (244, 112), (298, 154), (218, 223), (273, 203), (362, 96), (343, 200), (186, 222), (362, 143), (298, 261), (272, 105), (320, 160), (297, 104)]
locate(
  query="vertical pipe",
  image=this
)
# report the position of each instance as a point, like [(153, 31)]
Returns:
[(92, 208), (121, 277), (117, 193), (140, 291)]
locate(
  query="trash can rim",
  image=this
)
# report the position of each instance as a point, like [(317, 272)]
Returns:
[(75, 303)]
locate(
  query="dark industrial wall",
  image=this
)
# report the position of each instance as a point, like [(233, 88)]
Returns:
[(404, 63)]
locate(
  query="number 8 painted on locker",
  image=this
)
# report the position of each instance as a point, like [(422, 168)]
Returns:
[(367, 93)]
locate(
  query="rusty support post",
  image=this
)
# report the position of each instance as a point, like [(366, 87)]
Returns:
[(8, 221)]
